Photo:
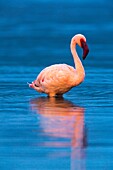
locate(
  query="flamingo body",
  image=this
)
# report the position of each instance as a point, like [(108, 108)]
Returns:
[(57, 79)]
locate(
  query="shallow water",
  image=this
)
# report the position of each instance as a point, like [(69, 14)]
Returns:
[(39, 133)]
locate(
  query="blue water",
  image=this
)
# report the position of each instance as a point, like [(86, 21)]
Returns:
[(39, 133)]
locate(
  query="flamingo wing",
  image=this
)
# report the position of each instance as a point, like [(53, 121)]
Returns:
[(57, 78)]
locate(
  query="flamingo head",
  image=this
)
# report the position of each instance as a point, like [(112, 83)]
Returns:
[(81, 41), (85, 48)]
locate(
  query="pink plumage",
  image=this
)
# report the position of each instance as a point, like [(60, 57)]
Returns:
[(57, 79)]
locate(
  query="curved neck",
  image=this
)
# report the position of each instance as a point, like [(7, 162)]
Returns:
[(78, 64)]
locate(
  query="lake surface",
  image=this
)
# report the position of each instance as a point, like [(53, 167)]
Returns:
[(41, 133)]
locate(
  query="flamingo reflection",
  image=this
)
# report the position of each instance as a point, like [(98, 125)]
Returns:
[(63, 120)]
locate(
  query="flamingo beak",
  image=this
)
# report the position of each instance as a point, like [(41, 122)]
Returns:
[(85, 48)]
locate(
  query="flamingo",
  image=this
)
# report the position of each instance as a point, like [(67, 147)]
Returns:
[(58, 79)]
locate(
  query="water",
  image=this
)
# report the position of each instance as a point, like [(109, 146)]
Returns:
[(38, 133)]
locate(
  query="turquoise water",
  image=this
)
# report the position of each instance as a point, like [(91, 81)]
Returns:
[(39, 133)]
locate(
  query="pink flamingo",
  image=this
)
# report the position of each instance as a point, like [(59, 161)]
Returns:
[(58, 79)]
